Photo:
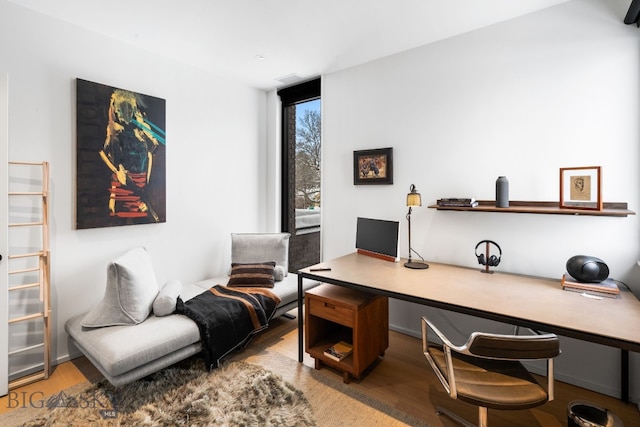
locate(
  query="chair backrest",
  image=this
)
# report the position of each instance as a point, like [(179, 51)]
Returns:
[(513, 347)]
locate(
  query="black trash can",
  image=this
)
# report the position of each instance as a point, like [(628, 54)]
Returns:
[(587, 414)]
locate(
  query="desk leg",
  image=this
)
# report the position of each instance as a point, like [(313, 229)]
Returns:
[(624, 376), (300, 320)]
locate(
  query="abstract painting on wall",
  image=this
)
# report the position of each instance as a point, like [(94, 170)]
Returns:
[(121, 157)]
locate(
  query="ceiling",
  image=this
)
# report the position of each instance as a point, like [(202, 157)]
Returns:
[(274, 43)]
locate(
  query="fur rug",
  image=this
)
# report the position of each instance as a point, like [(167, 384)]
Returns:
[(237, 394)]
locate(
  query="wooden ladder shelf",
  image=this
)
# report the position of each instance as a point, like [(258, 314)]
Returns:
[(29, 268)]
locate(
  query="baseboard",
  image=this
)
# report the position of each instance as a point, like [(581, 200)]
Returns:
[(579, 382), (405, 331), (582, 383), (66, 358)]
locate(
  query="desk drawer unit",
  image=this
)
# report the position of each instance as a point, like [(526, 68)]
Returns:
[(331, 310), (333, 314)]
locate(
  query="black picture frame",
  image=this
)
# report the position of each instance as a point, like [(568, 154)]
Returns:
[(373, 167)]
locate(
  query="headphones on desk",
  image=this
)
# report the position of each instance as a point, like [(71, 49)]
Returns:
[(493, 260)]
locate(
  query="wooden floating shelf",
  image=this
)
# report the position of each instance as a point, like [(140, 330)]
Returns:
[(618, 209)]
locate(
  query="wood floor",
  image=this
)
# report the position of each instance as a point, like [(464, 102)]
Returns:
[(402, 379)]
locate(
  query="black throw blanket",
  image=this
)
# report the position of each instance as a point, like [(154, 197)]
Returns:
[(228, 318)]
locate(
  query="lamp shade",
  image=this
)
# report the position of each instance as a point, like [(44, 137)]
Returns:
[(414, 198)]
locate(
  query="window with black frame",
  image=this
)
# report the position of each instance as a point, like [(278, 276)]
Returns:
[(301, 165)]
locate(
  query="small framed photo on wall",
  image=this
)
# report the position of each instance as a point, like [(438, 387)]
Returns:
[(373, 166), (580, 188)]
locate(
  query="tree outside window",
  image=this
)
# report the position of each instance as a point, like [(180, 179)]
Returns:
[(308, 140)]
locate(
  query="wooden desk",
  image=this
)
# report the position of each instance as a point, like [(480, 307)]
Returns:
[(527, 301)]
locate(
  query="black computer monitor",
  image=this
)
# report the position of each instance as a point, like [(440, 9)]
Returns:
[(377, 236)]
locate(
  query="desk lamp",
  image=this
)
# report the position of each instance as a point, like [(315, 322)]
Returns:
[(413, 199)]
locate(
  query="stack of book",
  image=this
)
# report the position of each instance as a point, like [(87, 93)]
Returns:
[(606, 288), (339, 351), (469, 202)]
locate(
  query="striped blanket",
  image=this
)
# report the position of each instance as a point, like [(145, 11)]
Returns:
[(228, 318)]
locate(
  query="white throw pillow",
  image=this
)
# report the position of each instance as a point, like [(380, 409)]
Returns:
[(260, 247), (165, 302), (278, 273), (131, 290)]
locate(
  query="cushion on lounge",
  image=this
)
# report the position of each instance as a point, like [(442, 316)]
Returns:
[(165, 302), (252, 275), (257, 247), (120, 349), (278, 273), (131, 289)]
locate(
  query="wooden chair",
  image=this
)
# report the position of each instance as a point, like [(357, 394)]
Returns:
[(486, 371)]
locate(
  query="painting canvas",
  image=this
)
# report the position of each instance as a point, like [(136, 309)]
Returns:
[(121, 157)]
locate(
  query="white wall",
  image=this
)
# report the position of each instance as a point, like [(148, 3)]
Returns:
[(273, 159), (4, 224), (524, 98), (215, 150)]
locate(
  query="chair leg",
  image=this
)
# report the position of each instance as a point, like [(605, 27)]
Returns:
[(482, 417), (455, 417)]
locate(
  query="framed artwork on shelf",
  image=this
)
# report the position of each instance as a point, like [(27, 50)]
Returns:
[(373, 166), (580, 188)]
